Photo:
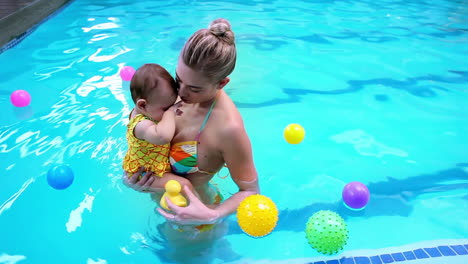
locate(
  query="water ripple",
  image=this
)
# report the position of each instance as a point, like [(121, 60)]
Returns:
[(112, 52), (101, 26), (9, 202), (46, 73), (98, 261), (30, 142), (4, 136), (366, 144), (11, 259), (102, 36)]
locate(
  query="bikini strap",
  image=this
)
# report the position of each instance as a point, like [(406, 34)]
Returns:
[(206, 119)]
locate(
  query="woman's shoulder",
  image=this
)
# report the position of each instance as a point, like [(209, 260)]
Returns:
[(229, 116), (229, 109)]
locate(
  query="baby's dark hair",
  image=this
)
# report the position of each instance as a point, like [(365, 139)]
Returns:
[(146, 78)]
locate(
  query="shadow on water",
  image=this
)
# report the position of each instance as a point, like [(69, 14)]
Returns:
[(190, 247), (187, 245), (410, 85), (388, 198), (272, 42)]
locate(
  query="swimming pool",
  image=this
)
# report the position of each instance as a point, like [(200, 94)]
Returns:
[(379, 86)]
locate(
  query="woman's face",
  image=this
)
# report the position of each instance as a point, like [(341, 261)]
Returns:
[(193, 86)]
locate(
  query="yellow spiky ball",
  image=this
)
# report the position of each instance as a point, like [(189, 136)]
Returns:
[(257, 215)]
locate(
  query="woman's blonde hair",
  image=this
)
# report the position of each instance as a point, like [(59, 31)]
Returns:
[(211, 51)]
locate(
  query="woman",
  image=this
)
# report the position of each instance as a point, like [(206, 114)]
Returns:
[(209, 130)]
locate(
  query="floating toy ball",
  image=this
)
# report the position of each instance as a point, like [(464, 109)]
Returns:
[(355, 195), (294, 133), (326, 232), (20, 98), (60, 177), (126, 73), (257, 215)]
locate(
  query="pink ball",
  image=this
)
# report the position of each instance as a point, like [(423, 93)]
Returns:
[(127, 73), (20, 98)]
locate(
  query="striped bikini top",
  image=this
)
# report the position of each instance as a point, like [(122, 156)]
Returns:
[(183, 155)]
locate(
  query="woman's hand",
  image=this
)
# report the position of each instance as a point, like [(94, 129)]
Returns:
[(142, 185), (196, 213)]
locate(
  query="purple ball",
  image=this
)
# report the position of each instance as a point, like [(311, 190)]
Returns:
[(355, 195)]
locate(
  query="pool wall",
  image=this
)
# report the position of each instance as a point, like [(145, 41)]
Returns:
[(15, 25)]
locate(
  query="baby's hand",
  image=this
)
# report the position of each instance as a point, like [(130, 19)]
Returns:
[(176, 108)]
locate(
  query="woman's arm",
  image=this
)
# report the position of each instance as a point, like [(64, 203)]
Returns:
[(237, 153)]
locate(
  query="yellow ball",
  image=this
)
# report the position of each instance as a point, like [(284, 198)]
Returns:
[(294, 133), (257, 215)]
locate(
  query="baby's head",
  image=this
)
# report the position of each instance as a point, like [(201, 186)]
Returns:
[(153, 90)]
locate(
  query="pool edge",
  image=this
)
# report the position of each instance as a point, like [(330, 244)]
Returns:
[(374, 256), (16, 25)]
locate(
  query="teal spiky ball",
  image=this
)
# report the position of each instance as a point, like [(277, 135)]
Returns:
[(326, 232)]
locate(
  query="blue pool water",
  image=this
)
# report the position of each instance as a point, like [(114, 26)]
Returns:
[(381, 88)]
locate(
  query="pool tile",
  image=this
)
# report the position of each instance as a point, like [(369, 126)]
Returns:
[(409, 255), (386, 258), (398, 256), (376, 260), (459, 249), (346, 261), (433, 252), (446, 251), (362, 260), (420, 254)]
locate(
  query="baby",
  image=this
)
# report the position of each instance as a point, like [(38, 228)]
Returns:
[(152, 124)]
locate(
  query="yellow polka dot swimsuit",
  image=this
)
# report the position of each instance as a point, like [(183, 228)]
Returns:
[(141, 153)]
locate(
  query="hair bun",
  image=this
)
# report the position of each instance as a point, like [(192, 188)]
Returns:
[(221, 28)]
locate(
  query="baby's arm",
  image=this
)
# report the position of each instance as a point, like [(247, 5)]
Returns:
[(157, 134)]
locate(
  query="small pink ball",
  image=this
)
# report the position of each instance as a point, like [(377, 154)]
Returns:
[(126, 73), (20, 98)]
